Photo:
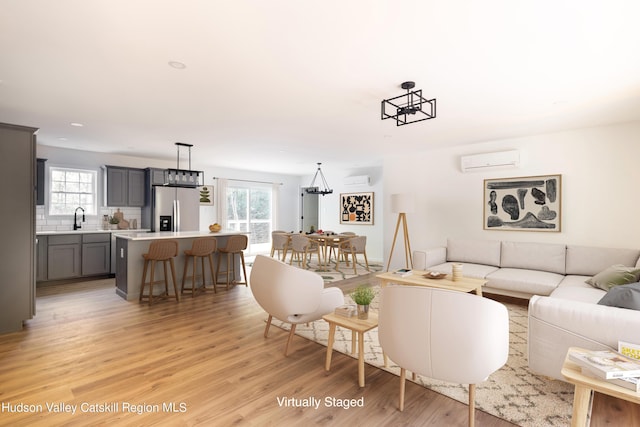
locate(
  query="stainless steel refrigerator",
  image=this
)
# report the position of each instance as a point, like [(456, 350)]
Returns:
[(175, 209)]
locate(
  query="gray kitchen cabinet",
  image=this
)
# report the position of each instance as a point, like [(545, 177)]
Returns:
[(96, 254), (135, 187), (155, 176), (116, 188), (18, 215), (40, 181), (64, 254), (41, 258), (124, 186)]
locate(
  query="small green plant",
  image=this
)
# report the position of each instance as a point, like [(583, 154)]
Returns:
[(113, 220), (363, 295)]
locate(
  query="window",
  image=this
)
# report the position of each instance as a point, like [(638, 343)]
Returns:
[(72, 188), (249, 209)]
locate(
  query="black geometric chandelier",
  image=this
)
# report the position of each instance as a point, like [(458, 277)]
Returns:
[(410, 107), (313, 189)]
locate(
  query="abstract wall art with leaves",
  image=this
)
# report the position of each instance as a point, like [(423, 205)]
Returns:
[(356, 208)]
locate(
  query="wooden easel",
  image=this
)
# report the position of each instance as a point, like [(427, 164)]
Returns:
[(402, 217)]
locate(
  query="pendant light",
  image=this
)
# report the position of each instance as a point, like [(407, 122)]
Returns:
[(313, 189)]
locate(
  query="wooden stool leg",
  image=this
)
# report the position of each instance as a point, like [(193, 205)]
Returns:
[(151, 280), (193, 277), (218, 265), (244, 269), (213, 276), (166, 278), (144, 277), (229, 263), (204, 281), (173, 277), (184, 273)]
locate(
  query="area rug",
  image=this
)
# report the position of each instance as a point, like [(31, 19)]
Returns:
[(513, 393), (329, 272)]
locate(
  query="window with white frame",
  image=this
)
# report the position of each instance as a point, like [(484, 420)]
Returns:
[(72, 188)]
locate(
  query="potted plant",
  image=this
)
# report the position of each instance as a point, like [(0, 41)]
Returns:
[(114, 222), (362, 296)]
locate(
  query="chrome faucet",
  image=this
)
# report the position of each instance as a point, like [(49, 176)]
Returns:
[(77, 226)]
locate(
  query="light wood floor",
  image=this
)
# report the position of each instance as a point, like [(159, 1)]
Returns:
[(202, 361)]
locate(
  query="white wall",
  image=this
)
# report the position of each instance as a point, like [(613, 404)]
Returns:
[(288, 191), (329, 218), (600, 178)]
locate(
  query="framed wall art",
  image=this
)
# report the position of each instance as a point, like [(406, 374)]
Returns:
[(356, 208), (206, 195), (529, 203)]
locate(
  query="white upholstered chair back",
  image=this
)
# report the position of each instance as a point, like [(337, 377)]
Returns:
[(441, 334), (291, 294)]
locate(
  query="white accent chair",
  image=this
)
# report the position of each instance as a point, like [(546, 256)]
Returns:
[(291, 294), (446, 335)]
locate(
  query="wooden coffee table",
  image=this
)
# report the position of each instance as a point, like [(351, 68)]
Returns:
[(465, 284), (585, 385)]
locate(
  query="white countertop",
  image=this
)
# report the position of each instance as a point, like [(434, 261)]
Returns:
[(89, 231), (176, 235)]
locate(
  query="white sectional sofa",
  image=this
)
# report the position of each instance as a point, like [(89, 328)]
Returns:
[(563, 308)]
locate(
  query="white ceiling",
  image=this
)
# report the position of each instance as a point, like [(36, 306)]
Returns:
[(279, 85)]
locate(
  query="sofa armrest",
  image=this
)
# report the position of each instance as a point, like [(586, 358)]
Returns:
[(425, 258), (555, 324)]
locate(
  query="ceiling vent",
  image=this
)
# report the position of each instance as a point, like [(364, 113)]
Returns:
[(356, 180), (500, 159)]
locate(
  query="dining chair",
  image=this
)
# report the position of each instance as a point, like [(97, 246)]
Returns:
[(353, 246), (333, 245), (302, 247), (279, 243), (446, 335)]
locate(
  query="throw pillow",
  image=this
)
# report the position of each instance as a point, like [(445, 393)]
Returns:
[(623, 296), (615, 275)]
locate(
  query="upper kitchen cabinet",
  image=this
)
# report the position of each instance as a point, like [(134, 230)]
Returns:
[(18, 213), (124, 186)]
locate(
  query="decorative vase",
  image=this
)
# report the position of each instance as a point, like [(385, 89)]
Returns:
[(363, 311), (456, 273)]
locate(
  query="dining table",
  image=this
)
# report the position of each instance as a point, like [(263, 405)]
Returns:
[(326, 241)]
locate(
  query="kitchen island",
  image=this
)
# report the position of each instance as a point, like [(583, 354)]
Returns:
[(131, 247)]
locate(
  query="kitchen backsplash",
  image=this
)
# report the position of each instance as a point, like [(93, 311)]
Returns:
[(93, 222)]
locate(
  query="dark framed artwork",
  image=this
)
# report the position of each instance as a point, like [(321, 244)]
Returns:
[(356, 208), (529, 203)]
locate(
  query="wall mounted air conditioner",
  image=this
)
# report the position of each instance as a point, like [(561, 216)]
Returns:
[(357, 180), (500, 159)]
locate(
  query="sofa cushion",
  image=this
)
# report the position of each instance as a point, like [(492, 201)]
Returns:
[(474, 251), (589, 261), (533, 282), (533, 256), (623, 296), (615, 275), (575, 288), (475, 271)]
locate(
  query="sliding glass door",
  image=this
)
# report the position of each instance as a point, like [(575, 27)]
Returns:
[(249, 208)]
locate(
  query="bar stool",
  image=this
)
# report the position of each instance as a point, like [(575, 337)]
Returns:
[(165, 251), (235, 245), (200, 248)]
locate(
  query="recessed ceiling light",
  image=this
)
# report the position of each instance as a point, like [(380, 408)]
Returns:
[(177, 65), (76, 124), (62, 138)]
